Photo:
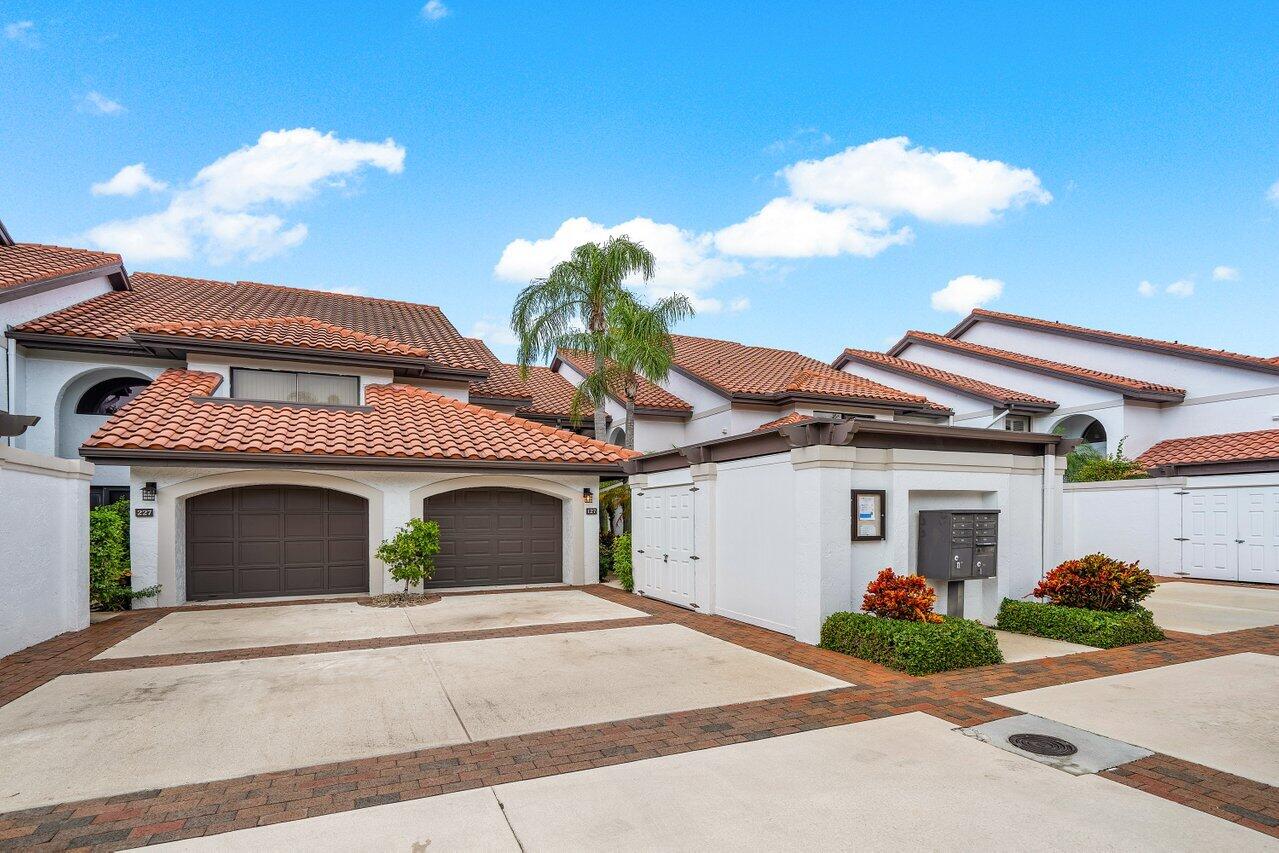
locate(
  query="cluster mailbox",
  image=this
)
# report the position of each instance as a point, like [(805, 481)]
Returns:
[(958, 544)]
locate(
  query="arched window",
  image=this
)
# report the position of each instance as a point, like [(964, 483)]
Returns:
[(109, 396), (618, 436), (1086, 428)]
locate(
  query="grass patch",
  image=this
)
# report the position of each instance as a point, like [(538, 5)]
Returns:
[(1104, 629), (916, 648)]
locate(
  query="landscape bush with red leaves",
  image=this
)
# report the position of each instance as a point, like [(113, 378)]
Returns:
[(1096, 582), (894, 596)]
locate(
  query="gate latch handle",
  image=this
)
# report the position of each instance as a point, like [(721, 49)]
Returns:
[(666, 558)]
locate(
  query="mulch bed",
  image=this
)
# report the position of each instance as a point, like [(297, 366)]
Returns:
[(400, 599)]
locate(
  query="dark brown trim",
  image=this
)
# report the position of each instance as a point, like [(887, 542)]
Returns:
[(5, 238), (1093, 336), (491, 401), (76, 343), (216, 459), (1003, 402), (1127, 391), (855, 433), (883, 514), (111, 272), (280, 404), (178, 346), (1199, 469)]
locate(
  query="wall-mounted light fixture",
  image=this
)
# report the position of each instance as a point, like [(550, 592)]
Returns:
[(148, 491), (587, 497)]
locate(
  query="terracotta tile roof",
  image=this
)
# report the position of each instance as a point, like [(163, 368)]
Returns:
[(965, 384), (649, 396), (785, 420), (1201, 449), (26, 263), (1123, 384), (545, 391), (399, 422), (301, 332), (167, 299), (1119, 339), (740, 370)]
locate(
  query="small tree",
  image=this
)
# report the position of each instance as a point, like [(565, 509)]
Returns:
[(1086, 464), (410, 554), (109, 559), (894, 596)]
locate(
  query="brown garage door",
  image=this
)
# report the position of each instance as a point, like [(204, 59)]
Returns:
[(276, 540), (496, 536)]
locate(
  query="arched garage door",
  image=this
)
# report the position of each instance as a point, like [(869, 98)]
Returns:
[(496, 536), (276, 540)]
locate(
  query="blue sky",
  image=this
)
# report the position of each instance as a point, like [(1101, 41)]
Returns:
[(1092, 148)]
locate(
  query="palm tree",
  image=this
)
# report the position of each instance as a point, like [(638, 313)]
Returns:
[(640, 346), (578, 293)]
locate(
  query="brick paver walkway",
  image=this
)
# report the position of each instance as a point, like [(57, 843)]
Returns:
[(149, 817)]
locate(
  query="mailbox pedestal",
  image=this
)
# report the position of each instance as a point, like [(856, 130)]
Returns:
[(956, 545)]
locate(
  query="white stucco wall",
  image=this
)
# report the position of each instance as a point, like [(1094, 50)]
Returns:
[(44, 564), (779, 546), (158, 544), (969, 411)]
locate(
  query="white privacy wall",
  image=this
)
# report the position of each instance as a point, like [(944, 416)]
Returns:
[(44, 562), (774, 535)]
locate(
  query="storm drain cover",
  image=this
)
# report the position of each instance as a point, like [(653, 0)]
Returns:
[(1042, 744)]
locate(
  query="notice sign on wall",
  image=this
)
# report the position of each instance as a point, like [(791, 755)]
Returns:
[(868, 515)]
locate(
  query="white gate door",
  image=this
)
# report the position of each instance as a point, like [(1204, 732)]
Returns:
[(1211, 528), (665, 548), (1259, 534)]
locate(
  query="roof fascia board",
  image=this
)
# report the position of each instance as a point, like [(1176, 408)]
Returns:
[(1199, 469), (1002, 402), (183, 345), (1128, 393), (111, 272)]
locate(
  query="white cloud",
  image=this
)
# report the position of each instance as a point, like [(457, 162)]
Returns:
[(685, 260), (1273, 192), (220, 214), (99, 104), (790, 228), (434, 10), (963, 294), (804, 137), (1147, 289), (937, 186), (1224, 273), (1181, 288), (739, 305), (494, 332), (130, 180), (23, 32)]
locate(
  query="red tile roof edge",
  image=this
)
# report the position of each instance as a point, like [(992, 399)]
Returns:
[(651, 391), (1269, 365), (1133, 387), (1251, 446), (192, 328), (927, 373), (91, 260)]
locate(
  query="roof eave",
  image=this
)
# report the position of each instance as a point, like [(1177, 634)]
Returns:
[(113, 273), (1002, 402), (179, 346), (132, 456)]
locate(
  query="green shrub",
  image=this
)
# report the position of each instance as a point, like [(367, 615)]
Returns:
[(916, 648), (410, 554), (109, 559), (1096, 582), (1085, 464), (622, 561), (1103, 629)]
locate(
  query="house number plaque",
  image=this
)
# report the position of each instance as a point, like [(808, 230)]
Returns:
[(143, 513)]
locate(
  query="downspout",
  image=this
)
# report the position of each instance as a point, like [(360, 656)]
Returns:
[(8, 378)]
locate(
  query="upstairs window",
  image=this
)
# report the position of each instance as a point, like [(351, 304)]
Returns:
[(1017, 423), (110, 395), (288, 386)]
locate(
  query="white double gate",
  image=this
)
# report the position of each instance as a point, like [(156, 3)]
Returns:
[(665, 525), (1231, 534)]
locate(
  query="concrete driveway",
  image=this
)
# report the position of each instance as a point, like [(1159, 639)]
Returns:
[(909, 782), (1203, 608), (173, 725)]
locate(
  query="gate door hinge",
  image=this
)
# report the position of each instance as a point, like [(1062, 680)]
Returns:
[(1180, 539), (694, 489), (695, 558), (1182, 492), (639, 551)]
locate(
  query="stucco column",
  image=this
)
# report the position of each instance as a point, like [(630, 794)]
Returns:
[(397, 509), (589, 571), (823, 544), (147, 536)]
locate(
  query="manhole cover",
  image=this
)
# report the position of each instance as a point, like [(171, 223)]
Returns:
[(1042, 744)]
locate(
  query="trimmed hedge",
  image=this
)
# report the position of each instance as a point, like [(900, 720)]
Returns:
[(916, 648), (1104, 629)]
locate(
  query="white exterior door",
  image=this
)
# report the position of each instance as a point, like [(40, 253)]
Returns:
[(1232, 534), (1259, 534), (664, 548)]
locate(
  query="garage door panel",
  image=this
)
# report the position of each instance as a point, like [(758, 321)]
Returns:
[(276, 540), (496, 536)]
